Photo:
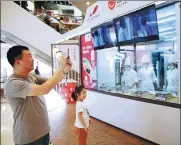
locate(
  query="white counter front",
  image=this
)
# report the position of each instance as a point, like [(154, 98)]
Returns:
[(157, 123)]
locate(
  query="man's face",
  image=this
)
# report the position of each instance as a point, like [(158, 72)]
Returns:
[(127, 67), (146, 65), (171, 66), (26, 62)]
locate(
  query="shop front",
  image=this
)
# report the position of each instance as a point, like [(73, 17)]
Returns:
[(130, 66)]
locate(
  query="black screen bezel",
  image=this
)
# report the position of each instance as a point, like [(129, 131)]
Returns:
[(139, 39), (102, 26)]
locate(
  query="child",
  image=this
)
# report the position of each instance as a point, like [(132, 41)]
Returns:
[(82, 116)]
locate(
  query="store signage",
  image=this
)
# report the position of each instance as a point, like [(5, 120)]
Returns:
[(93, 14), (88, 69), (116, 4), (111, 4), (94, 11), (103, 11)]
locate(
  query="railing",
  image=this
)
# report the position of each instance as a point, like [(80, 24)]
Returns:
[(60, 23)]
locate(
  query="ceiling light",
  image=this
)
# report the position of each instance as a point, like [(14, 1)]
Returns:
[(88, 3)]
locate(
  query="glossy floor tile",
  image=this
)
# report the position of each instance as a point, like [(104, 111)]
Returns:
[(62, 130)]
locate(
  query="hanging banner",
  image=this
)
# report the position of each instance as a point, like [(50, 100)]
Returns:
[(89, 74)]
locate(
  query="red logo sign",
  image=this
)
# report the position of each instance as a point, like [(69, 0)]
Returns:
[(94, 11), (111, 4)]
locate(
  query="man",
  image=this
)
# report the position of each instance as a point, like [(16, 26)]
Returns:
[(95, 39), (37, 72), (172, 75), (146, 76), (122, 36), (147, 28), (129, 79), (24, 90)]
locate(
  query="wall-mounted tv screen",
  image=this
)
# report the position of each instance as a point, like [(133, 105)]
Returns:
[(139, 26), (104, 36)]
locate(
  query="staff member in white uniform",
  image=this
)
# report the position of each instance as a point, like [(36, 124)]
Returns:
[(129, 78), (146, 76), (172, 75)]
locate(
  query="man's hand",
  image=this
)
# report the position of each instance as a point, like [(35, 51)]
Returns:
[(65, 64), (68, 65), (62, 62)]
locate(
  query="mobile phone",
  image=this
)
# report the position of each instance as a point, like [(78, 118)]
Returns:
[(68, 53)]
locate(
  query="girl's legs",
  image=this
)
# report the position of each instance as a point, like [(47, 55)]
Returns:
[(81, 136)]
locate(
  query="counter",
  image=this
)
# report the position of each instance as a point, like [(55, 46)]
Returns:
[(155, 121)]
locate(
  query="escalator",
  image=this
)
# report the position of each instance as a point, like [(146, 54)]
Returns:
[(25, 26)]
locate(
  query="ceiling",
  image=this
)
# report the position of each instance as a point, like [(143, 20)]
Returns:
[(11, 40), (2, 41), (82, 4)]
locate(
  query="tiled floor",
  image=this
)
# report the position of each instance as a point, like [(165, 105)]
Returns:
[(62, 130)]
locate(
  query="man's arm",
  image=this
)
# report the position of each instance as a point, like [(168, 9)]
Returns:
[(40, 79), (46, 87)]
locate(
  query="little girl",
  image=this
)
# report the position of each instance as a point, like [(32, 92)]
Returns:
[(82, 116)]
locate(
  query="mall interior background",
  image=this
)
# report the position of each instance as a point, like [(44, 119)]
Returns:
[(155, 119)]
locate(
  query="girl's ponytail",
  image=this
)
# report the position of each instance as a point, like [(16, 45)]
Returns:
[(74, 96), (77, 91)]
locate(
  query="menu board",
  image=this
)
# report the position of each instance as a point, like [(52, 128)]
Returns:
[(88, 64)]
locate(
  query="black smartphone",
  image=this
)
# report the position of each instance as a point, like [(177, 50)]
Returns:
[(68, 53)]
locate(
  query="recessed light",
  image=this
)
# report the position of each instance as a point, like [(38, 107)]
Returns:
[(88, 3)]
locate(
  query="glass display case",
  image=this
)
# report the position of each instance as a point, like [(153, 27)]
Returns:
[(149, 70)]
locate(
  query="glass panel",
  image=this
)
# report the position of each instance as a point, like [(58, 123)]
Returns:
[(150, 71)]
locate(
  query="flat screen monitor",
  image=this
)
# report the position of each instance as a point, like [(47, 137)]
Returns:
[(104, 36), (139, 26)]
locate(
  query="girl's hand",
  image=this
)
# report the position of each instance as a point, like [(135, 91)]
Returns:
[(90, 121), (86, 128)]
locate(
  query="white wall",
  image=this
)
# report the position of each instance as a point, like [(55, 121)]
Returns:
[(4, 61), (77, 12), (27, 27), (156, 123)]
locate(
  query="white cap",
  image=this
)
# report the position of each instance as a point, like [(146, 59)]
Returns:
[(172, 58), (127, 61), (145, 59)]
